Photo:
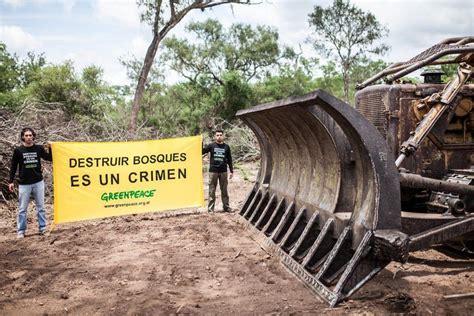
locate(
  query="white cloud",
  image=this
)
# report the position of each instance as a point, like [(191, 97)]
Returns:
[(416, 25), (68, 5), (14, 3), (114, 30), (123, 11), (21, 3), (18, 39)]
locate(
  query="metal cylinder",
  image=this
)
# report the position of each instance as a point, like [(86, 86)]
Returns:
[(456, 206), (416, 181)]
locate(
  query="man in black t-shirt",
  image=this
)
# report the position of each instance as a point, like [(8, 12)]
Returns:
[(219, 160), (28, 158)]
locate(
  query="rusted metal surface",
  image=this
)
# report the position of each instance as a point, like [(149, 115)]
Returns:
[(444, 149), (456, 46), (416, 181), (442, 104), (442, 233), (329, 200), (326, 183)]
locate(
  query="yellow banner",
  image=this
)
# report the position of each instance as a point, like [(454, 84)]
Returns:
[(94, 180)]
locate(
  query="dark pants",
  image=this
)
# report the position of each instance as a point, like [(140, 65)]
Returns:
[(222, 178)]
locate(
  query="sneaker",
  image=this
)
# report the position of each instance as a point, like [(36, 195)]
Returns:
[(42, 232), (229, 210), (20, 235)]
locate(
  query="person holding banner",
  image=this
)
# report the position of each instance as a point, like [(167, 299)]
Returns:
[(220, 158), (27, 158)]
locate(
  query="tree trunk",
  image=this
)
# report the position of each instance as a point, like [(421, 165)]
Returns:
[(158, 35), (149, 58), (346, 83)]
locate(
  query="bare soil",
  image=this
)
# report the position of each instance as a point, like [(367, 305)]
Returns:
[(189, 261)]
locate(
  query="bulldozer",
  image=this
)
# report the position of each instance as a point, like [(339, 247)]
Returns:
[(344, 190)]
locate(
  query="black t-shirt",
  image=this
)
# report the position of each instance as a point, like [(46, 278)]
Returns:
[(29, 161), (220, 157)]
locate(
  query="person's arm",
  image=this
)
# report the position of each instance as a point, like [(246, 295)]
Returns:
[(206, 149), (229, 162), (13, 167), (47, 155)]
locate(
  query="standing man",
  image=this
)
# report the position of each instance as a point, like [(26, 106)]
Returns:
[(28, 158), (220, 158)]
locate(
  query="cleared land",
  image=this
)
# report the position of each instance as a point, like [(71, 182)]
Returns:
[(198, 263)]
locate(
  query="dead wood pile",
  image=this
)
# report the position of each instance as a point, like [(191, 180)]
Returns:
[(50, 124)]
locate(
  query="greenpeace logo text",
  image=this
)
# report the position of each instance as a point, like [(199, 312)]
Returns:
[(110, 196)]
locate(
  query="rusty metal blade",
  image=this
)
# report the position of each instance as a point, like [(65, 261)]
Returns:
[(326, 183)]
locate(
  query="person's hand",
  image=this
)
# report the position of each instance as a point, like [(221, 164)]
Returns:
[(231, 175), (11, 186), (47, 147)]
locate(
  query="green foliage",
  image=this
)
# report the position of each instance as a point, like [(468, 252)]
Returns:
[(133, 66), (236, 95), (9, 70), (96, 95), (176, 110), (30, 67), (331, 80), (58, 84), (15, 75), (251, 52), (346, 34), (219, 67), (76, 95), (290, 81), (449, 70)]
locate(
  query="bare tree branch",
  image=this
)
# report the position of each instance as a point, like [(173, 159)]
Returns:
[(176, 16)]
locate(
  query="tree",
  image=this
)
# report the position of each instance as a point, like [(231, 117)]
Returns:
[(295, 78), (30, 67), (222, 62), (85, 95), (347, 34), (249, 51), (164, 16), (9, 70), (16, 75)]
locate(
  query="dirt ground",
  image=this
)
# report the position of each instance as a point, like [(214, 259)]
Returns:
[(188, 261)]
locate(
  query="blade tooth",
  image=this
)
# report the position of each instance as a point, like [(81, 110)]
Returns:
[(295, 228), (248, 201), (341, 260), (274, 220), (258, 209), (284, 221), (318, 243), (314, 220), (263, 220), (358, 267), (263, 200), (334, 251), (272, 214), (255, 201)]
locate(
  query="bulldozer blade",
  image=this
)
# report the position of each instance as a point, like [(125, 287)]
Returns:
[(327, 195)]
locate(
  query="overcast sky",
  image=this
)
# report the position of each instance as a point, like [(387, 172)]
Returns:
[(100, 31)]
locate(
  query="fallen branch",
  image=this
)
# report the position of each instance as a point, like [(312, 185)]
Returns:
[(456, 296), (237, 255)]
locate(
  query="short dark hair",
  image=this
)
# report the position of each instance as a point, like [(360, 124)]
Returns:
[(27, 129), (219, 130)]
